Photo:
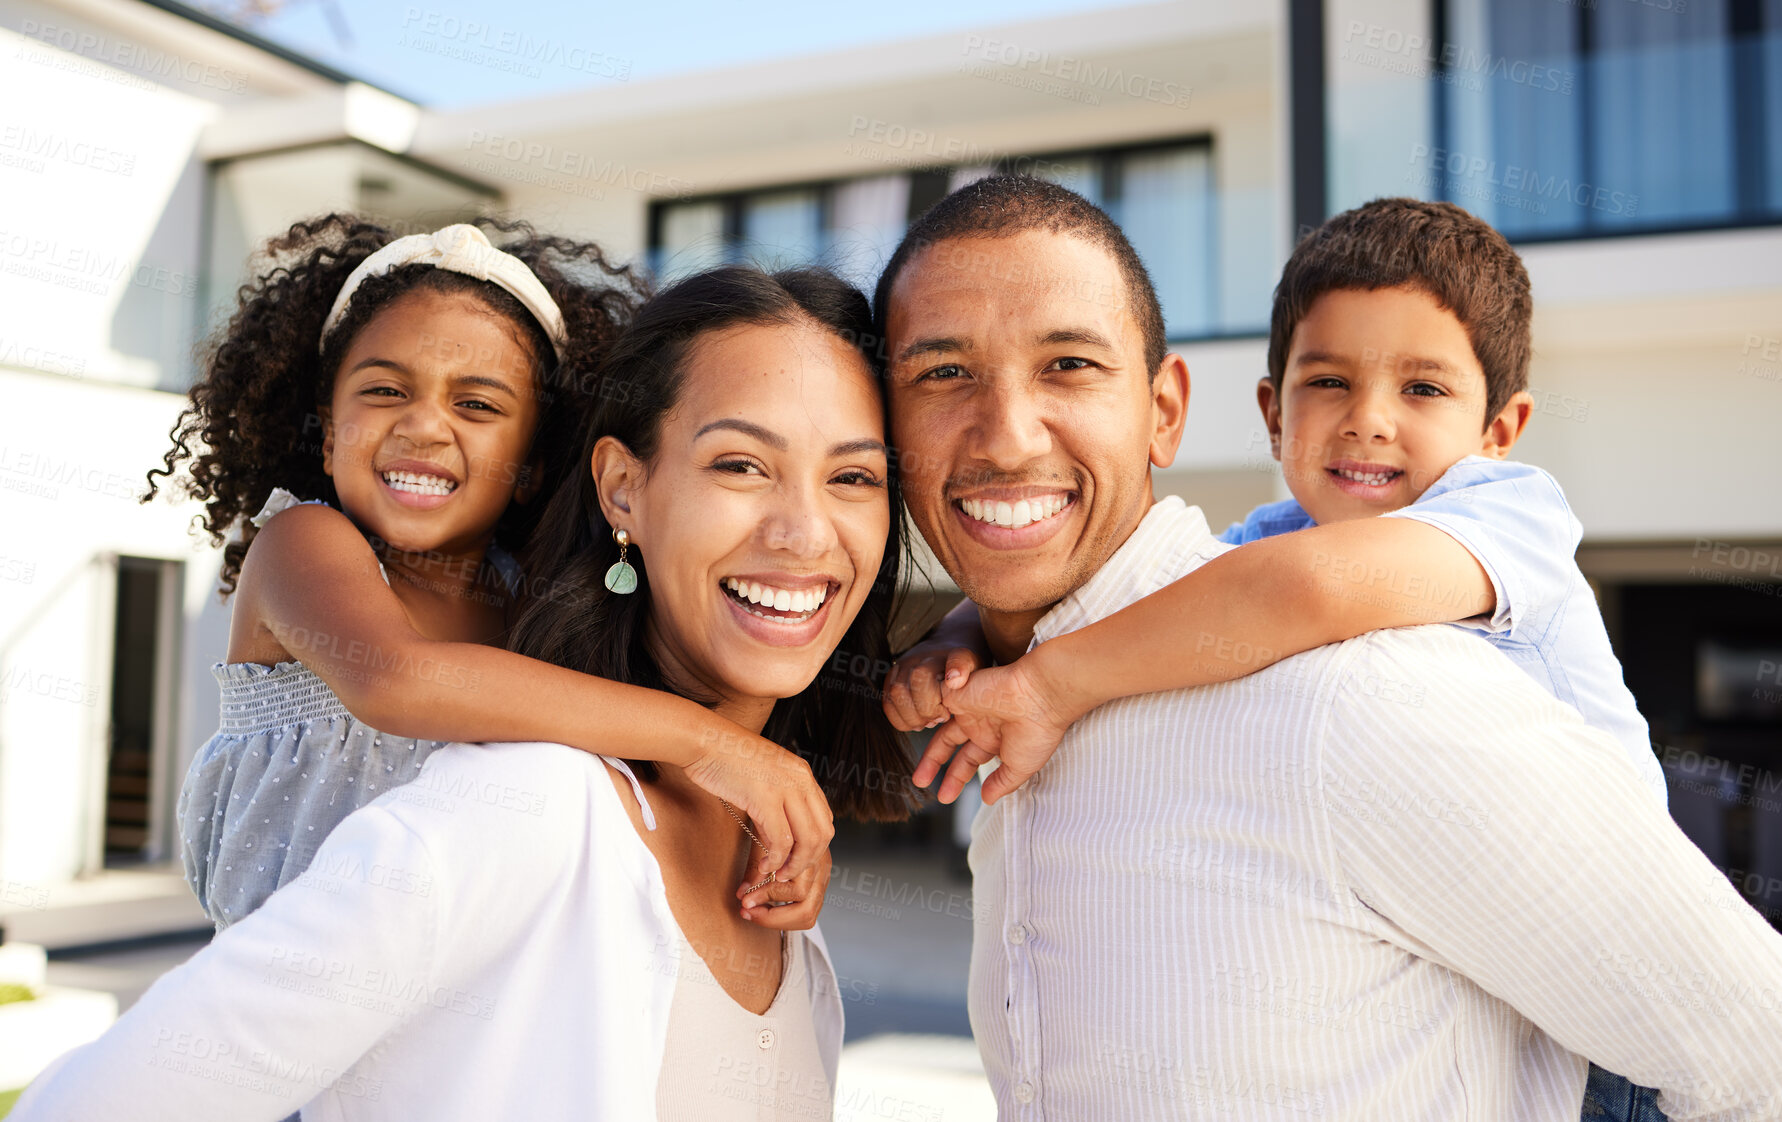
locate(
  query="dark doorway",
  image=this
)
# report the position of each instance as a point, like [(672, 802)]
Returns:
[(142, 697), (1705, 663)]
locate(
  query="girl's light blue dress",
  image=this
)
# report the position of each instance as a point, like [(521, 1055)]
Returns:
[(285, 766)]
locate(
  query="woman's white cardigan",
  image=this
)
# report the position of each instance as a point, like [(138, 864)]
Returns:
[(490, 941)]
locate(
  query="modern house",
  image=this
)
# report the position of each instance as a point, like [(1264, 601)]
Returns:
[(1632, 151)]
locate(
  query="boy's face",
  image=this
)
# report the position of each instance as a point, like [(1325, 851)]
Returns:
[(1382, 394)]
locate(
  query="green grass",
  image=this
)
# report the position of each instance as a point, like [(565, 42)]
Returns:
[(7, 1098)]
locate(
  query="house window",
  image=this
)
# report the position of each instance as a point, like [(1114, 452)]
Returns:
[(1162, 195), (1600, 117)]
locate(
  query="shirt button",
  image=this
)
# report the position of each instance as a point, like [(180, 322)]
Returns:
[(1017, 934), (1024, 1092), (765, 1039)]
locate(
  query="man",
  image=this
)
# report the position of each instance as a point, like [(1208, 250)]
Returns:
[(1360, 884)]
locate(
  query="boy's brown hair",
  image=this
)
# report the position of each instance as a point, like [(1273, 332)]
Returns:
[(1436, 248)]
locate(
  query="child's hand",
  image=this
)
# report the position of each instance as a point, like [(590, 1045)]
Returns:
[(776, 791), (1007, 712), (800, 900), (912, 696)]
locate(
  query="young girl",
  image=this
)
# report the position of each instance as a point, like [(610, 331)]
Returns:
[(394, 410)]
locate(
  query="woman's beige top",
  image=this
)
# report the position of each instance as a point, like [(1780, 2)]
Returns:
[(722, 1061)]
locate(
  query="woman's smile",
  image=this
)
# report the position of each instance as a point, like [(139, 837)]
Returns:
[(782, 611)]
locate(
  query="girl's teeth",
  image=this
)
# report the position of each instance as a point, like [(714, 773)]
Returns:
[(416, 484), (1014, 516)]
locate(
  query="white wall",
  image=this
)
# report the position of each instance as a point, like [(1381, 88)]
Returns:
[(98, 246), (1656, 405), (68, 487), (100, 276)]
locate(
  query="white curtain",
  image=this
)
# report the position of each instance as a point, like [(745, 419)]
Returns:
[(1657, 146), (783, 229), (692, 239), (1166, 209), (866, 219), (1661, 105), (968, 174), (1530, 137), (1077, 173), (1770, 58)]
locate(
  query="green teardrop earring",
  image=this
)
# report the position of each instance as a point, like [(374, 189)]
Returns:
[(621, 578)]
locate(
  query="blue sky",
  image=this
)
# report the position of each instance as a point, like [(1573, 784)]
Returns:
[(465, 52)]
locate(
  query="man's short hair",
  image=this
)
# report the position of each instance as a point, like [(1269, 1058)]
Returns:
[(1436, 248), (1002, 206)]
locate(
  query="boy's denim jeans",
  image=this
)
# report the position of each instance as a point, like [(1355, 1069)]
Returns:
[(1610, 1098)]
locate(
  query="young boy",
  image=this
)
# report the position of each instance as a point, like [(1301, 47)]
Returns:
[(1398, 372)]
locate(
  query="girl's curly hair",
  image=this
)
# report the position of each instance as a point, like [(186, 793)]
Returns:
[(254, 421)]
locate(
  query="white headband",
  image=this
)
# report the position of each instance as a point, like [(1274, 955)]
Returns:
[(462, 248)]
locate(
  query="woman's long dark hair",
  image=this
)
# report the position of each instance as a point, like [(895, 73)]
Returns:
[(570, 619)]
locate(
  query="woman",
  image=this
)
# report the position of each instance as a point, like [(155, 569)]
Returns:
[(525, 930)]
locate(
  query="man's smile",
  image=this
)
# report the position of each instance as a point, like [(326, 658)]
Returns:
[(1018, 513), (1015, 520)]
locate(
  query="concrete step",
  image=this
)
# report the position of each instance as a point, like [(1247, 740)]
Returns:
[(117, 905)]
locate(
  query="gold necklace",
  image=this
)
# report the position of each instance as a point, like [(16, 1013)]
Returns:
[(758, 845)]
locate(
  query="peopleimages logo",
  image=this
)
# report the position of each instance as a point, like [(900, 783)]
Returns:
[(1072, 71), (446, 30), (573, 165), (49, 146), (1762, 357), (1389, 48), (89, 269), (1462, 174), (144, 61), (892, 142)]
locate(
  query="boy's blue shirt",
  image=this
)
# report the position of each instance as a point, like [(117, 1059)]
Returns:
[(1514, 519)]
